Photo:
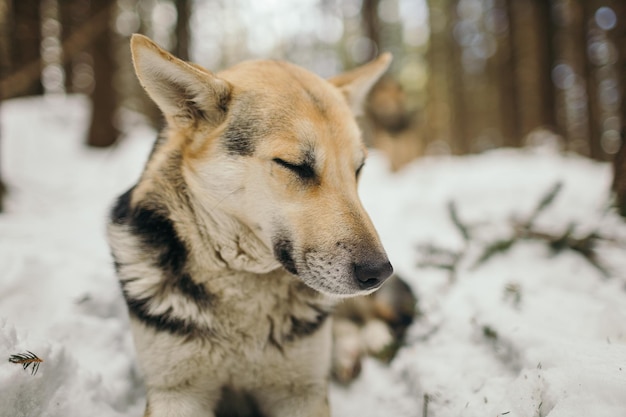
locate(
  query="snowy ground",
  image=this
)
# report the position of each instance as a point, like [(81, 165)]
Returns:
[(529, 332)]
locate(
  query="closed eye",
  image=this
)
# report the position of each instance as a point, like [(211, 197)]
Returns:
[(358, 170), (304, 171)]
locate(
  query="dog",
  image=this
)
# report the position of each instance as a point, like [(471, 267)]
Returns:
[(243, 232)]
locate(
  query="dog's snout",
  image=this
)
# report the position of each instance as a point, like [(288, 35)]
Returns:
[(372, 274)]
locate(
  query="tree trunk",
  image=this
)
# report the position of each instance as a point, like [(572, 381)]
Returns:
[(546, 60), (5, 40), (26, 31), (506, 62), (183, 10), (621, 64), (619, 177), (5, 67), (3, 188), (592, 78), (72, 14), (371, 23), (457, 91), (619, 161), (102, 131), (531, 39), (618, 36), (438, 125)]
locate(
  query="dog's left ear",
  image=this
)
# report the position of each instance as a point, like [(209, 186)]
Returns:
[(357, 83)]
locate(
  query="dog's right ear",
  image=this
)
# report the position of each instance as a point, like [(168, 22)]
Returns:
[(357, 83), (185, 93)]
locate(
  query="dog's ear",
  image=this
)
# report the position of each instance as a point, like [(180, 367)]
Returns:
[(185, 93), (357, 83)]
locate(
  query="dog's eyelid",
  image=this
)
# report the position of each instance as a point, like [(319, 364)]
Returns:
[(358, 170), (285, 163), (303, 170)]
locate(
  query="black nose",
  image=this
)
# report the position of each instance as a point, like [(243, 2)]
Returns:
[(372, 274)]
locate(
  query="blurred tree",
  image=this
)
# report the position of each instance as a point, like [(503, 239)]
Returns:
[(438, 128), (5, 40), (183, 14), (503, 68), (145, 104), (546, 59), (72, 14), (619, 160), (621, 45), (618, 35), (5, 66), (530, 29), (591, 76), (25, 28), (571, 44), (371, 25), (102, 130), (619, 176), (455, 73)]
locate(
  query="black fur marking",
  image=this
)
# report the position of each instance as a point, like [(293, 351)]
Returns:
[(239, 137), (160, 240), (271, 338), (223, 102), (235, 403), (283, 252), (197, 292), (140, 309), (302, 328), (246, 125), (121, 209), (157, 231)]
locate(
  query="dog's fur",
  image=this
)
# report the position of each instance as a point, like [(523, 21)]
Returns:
[(243, 231)]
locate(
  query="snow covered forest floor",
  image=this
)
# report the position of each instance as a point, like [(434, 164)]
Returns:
[(517, 261)]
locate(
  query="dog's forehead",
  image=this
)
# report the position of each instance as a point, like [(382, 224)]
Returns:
[(273, 75), (278, 100)]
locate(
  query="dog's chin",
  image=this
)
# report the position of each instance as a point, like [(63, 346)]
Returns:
[(339, 287)]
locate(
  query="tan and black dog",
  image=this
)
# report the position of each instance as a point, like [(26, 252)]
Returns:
[(243, 232)]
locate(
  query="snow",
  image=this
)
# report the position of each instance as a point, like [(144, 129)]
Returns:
[(529, 332)]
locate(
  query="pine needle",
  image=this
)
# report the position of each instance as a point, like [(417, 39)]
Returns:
[(26, 360)]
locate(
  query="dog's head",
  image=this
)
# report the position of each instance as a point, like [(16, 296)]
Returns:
[(279, 149)]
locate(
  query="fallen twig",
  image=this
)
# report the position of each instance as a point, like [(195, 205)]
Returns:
[(525, 229)]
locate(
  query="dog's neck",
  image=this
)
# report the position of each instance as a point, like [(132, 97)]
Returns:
[(216, 240), (232, 243)]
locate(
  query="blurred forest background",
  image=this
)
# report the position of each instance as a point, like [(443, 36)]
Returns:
[(468, 75)]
